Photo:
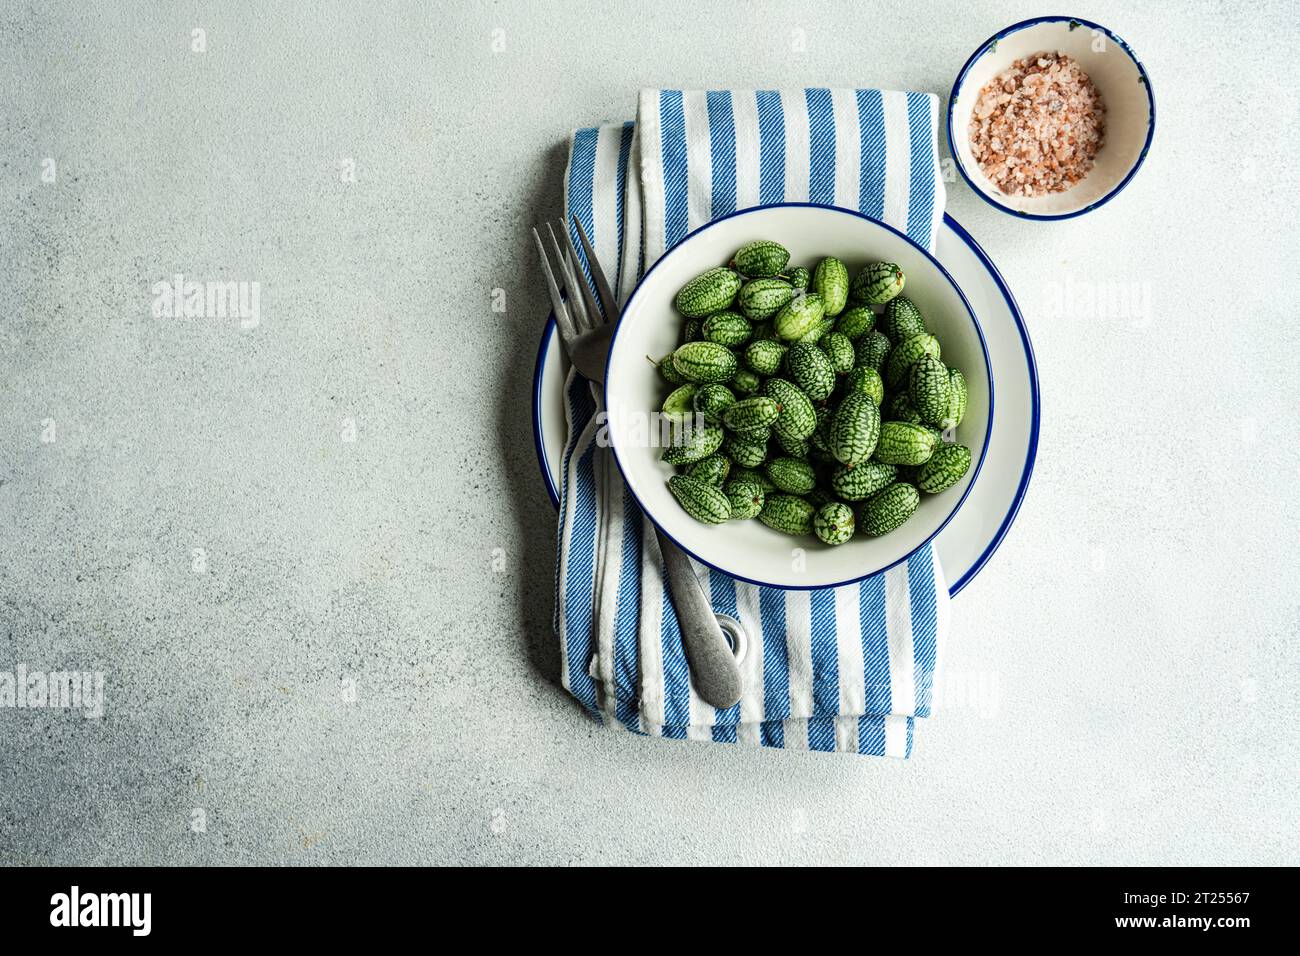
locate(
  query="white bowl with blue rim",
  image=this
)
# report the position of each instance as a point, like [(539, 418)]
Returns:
[(968, 542), (1120, 78), (650, 326)]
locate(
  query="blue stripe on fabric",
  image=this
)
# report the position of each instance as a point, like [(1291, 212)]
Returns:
[(875, 645), (581, 407), (871, 736), (627, 621), (724, 733), (677, 675), (722, 593), (620, 201), (582, 179), (578, 596), (776, 662), (871, 160), (722, 150), (771, 733), (920, 202), (920, 589), (821, 734), (672, 126), (771, 147), (825, 652), (911, 726), (821, 146)]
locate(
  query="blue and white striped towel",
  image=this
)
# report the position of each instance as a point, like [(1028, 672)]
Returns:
[(845, 669)]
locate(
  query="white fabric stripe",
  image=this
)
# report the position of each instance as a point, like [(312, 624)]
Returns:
[(747, 611), (604, 200), (796, 734), (895, 736), (943, 620), (652, 174), (632, 224), (609, 569), (898, 620), (797, 165), (940, 195), (744, 115), (650, 643), (699, 160), (571, 508), (699, 731), (798, 645), (847, 626), (846, 735), (848, 150), (750, 734), (898, 158)]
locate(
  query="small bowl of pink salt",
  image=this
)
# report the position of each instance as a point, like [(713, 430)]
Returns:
[(1051, 118)]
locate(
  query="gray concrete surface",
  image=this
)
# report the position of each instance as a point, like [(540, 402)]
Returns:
[(309, 653)]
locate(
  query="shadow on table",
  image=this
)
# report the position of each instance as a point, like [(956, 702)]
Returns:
[(529, 501)]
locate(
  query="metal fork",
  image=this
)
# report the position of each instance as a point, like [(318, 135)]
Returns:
[(586, 334)]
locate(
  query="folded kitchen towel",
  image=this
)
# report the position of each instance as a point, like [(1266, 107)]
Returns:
[(839, 669)]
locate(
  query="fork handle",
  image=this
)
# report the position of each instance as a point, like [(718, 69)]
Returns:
[(714, 669)]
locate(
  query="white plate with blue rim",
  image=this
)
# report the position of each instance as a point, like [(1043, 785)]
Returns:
[(969, 539)]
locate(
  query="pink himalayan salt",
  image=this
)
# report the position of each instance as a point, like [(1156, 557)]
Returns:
[(1037, 126)]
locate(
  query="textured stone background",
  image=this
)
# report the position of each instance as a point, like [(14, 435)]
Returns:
[(1135, 637)]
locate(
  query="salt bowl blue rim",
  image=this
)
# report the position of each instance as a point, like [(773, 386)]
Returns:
[(987, 47), (988, 365), (548, 335)]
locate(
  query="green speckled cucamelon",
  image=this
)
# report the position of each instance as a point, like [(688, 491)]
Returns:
[(929, 388), (713, 469), (788, 514), (751, 413), (888, 508), (765, 357), (709, 292), (871, 349), (904, 355), (902, 443), (811, 370), (760, 258), (797, 418), (830, 280), (855, 429), (712, 401), (691, 443), (727, 328), (799, 316), (839, 349), (746, 498), (833, 523), (902, 319), (956, 398), (761, 299), (704, 362), (947, 466), (859, 482), (878, 283), (701, 500), (791, 475)]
